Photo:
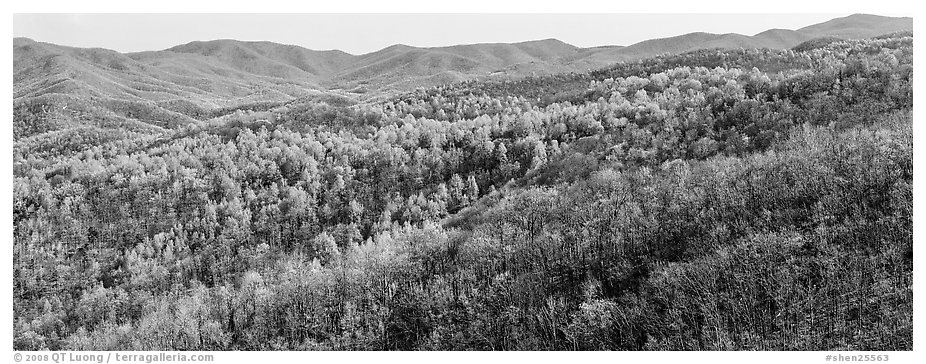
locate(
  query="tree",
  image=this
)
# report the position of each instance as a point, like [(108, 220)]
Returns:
[(326, 248), (457, 193), (472, 189), (539, 158)]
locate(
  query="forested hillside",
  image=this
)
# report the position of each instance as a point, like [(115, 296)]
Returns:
[(69, 87), (749, 199)]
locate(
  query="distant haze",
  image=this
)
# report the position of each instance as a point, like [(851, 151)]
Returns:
[(364, 33)]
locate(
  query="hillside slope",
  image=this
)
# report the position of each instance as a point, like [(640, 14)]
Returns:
[(858, 26), (203, 79)]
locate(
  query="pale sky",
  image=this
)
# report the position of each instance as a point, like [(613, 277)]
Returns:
[(364, 33)]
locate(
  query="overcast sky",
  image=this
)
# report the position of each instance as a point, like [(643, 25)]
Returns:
[(364, 33)]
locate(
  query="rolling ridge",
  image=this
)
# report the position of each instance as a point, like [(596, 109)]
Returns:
[(190, 81)]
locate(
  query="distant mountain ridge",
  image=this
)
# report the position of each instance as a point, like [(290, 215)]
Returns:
[(184, 80), (858, 26)]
